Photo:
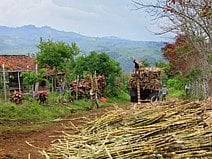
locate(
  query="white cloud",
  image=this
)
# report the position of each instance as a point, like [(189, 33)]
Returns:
[(91, 17)]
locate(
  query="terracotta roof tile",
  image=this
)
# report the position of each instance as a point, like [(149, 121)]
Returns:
[(17, 62)]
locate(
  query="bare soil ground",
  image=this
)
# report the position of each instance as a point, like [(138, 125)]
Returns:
[(17, 144)]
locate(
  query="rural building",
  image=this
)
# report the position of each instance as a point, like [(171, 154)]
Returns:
[(14, 65)]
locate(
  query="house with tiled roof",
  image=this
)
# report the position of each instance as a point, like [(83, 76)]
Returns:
[(17, 62), (14, 65)]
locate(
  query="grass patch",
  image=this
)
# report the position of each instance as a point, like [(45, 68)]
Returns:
[(122, 98), (176, 93), (31, 112)]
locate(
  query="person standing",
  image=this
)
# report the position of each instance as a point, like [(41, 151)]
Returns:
[(164, 93), (137, 65), (187, 89), (94, 99), (58, 87), (63, 85)]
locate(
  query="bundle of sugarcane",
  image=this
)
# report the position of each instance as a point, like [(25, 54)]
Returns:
[(148, 77), (172, 130)]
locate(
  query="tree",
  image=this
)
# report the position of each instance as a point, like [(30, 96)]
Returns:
[(191, 18), (181, 55), (165, 66), (30, 78), (101, 64), (56, 55), (145, 63)]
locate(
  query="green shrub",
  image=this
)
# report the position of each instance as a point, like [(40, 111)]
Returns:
[(176, 93), (121, 98), (30, 109), (176, 86)]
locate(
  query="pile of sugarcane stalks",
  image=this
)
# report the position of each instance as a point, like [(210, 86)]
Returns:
[(148, 77), (175, 129)]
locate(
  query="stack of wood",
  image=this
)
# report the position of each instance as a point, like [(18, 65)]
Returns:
[(177, 129), (148, 78)]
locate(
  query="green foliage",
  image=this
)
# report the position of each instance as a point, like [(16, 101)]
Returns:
[(41, 72), (30, 77), (56, 54), (194, 73), (122, 97), (210, 58), (101, 64), (31, 111), (82, 105), (145, 63), (165, 66), (1, 80), (177, 83), (176, 93), (182, 49), (176, 86)]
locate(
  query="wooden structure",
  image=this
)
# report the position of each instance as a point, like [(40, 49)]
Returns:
[(14, 65), (54, 77), (145, 84)]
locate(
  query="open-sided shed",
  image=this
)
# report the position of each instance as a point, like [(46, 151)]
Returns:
[(12, 66)]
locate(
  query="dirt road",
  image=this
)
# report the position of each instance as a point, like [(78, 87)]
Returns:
[(25, 145)]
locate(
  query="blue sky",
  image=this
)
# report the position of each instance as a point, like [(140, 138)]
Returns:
[(96, 18)]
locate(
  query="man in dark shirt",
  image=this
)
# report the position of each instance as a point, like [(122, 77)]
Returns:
[(137, 65)]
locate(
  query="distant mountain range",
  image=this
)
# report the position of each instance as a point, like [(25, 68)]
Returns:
[(23, 40)]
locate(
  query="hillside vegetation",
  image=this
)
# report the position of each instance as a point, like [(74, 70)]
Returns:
[(23, 40)]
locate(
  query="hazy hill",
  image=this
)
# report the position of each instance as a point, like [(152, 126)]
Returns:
[(23, 40)]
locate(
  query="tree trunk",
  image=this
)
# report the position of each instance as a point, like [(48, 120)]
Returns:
[(204, 49)]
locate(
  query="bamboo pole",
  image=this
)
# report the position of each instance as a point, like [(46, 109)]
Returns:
[(52, 79), (4, 79), (19, 82), (37, 83), (138, 91), (77, 78)]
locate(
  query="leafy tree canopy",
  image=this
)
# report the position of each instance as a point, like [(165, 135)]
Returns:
[(101, 64), (31, 77), (56, 54)]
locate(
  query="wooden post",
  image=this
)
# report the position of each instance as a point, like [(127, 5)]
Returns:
[(94, 92), (52, 84), (77, 78), (5, 90), (138, 91), (37, 83), (19, 82)]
